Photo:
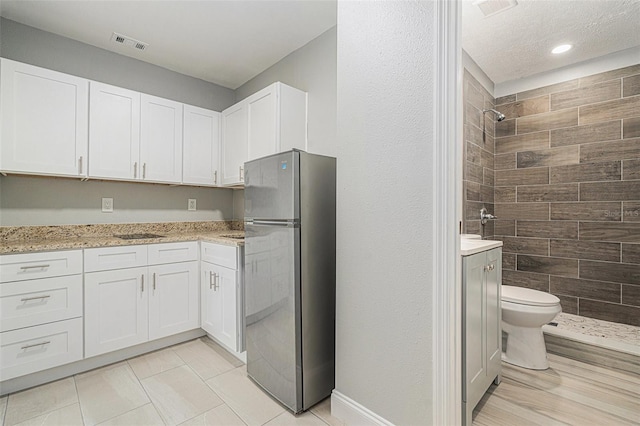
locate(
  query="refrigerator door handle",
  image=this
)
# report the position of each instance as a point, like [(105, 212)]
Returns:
[(289, 223)]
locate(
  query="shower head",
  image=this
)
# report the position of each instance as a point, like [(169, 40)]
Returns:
[(499, 116)]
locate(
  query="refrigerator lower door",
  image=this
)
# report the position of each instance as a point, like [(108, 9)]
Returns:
[(272, 304)]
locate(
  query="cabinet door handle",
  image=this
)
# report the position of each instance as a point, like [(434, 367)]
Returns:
[(36, 344), (80, 164), (135, 170), (215, 177), (24, 268), (490, 267), (26, 299), (210, 279), (215, 280), (142, 283), (144, 170), (241, 173), (154, 282)]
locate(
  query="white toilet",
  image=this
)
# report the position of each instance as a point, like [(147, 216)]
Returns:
[(524, 312)]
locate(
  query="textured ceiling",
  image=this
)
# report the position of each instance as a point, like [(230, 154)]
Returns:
[(224, 42), (517, 42)]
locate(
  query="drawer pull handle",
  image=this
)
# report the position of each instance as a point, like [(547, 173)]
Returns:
[(24, 268), (154, 282), (142, 283), (36, 344), (26, 299)]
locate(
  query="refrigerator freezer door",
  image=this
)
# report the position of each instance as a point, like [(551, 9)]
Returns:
[(271, 187), (272, 306)]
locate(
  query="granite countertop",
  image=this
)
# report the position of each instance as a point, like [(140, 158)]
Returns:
[(26, 239)]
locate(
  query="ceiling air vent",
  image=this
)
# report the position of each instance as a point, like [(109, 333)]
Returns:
[(491, 7), (128, 41)]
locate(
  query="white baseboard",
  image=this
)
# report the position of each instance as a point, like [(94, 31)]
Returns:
[(352, 413)]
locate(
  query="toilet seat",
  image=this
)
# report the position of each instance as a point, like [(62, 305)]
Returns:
[(528, 297)]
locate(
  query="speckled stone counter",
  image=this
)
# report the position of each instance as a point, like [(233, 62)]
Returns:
[(24, 239)]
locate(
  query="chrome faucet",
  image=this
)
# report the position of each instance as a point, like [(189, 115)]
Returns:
[(485, 216)]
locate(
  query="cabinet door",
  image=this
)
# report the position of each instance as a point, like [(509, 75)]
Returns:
[(116, 310), (44, 121), (494, 312), (474, 328), (262, 110), (173, 299), (234, 143), (201, 153), (114, 132), (160, 139), (219, 304)]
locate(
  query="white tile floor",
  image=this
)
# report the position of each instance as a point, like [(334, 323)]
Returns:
[(194, 383)]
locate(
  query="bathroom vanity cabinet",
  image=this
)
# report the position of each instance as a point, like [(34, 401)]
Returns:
[(481, 325)]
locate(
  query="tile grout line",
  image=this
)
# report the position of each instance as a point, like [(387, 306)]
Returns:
[(75, 385)]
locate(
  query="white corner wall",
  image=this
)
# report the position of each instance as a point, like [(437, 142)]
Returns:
[(385, 86)]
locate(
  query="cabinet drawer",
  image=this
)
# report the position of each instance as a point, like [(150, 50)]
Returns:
[(24, 304), (107, 258), (41, 347), (219, 254), (172, 252), (20, 267)]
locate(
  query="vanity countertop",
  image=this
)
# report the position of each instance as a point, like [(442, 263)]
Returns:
[(469, 247)]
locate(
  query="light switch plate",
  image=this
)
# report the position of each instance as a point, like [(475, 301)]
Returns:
[(107, 205), (191, 206)]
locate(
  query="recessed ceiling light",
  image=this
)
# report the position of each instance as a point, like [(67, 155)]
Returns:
[(562, 48)]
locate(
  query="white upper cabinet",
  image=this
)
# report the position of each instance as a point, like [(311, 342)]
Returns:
[(161, 139), (234, 143), (114, 132), (201, 146), (270, 121), (43, 116)]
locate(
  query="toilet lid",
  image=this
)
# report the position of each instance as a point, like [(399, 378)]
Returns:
[(527, 296)]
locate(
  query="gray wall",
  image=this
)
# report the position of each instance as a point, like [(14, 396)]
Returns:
[(311, 68), (384, 257), (44, 49), (51, 201)]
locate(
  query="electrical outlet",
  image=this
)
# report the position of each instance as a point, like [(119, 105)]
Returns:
[(191, 206), (107, 205)]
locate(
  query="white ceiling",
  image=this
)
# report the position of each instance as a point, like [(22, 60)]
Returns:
[(224, 42), (517, 42)]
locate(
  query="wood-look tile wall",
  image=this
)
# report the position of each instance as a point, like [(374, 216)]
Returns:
[(567, 192), (478, 154)]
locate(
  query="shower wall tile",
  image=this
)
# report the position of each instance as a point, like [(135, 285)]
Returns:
[(598, 290), (528, 142), (547, 229), (599, 92), (586, 172), (631, 86), (631, 253), (631, 127), (610, 311), (538, 193), (548, 121), (625, 232), (596, 211), (631, 295), (488, 176), (548, 265), (614, 150), (609, 271), (567, 192), (473, 172), (532, 176), (559, 87), (589, 250), (526, 279), (610, 110), (631, 169), (608, 191), (472, 191), (526, 107), (598, 132), (549, 157), (610, 75)]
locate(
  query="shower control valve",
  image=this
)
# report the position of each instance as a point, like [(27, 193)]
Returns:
[(485, 216)]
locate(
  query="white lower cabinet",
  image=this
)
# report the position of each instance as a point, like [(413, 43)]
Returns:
[(125, 307), (221, 296)]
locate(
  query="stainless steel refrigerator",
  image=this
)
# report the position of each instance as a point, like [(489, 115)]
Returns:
[(289, 263)]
